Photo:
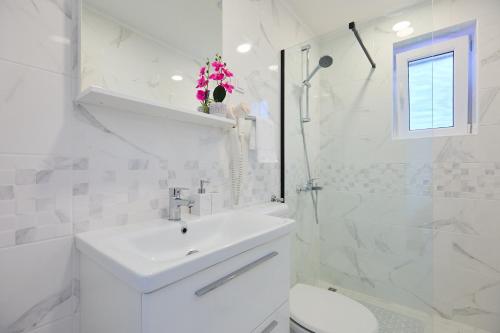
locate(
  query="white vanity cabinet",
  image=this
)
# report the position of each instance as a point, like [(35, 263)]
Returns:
[(245, 293), (278, 322)]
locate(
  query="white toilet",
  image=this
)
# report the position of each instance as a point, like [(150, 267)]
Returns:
[(315, 310)]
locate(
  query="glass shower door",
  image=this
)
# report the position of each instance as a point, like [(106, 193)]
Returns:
[(372, 241)]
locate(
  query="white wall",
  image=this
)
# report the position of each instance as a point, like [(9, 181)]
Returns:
[(65, 169)]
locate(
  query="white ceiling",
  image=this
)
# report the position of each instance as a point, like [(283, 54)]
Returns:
[(192, 26), (323, 16)]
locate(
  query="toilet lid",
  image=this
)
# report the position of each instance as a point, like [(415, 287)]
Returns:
[(324, 311)]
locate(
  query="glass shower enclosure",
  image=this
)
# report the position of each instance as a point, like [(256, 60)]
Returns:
[(368, 203)]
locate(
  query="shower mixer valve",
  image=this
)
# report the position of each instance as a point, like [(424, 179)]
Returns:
[(274, 198), (311, 185)]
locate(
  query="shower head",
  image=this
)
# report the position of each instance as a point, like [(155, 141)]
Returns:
[(324, 62)]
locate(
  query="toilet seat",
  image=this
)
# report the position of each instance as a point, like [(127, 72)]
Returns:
[(322, 311)]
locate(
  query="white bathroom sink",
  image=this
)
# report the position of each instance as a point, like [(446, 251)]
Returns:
[(154, 254)]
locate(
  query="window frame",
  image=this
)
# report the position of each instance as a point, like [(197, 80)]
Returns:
[(460, 46)]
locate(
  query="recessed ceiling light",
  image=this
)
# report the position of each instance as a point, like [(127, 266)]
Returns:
[(244, 48), (405, 32), (177, 77), (401, 26), (273, 68)]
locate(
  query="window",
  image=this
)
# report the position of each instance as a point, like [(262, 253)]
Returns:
[(430, 85), (434, 90)]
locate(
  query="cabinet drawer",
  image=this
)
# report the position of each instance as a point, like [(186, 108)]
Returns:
[(278, 322), (232, 296)]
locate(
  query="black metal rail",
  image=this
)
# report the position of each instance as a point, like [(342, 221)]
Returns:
[(282, 125), (352, 26)]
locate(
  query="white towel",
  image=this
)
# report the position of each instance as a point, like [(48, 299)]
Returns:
[(266, 148), (252, 143)]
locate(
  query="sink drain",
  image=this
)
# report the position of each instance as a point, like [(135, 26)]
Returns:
[(190, 252)]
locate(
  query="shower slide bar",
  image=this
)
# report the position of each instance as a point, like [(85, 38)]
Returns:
[(352, 26)]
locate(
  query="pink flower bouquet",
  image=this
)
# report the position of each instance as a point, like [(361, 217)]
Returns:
[(216, 72)]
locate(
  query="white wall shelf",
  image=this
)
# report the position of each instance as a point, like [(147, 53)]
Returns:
[(95, 96)]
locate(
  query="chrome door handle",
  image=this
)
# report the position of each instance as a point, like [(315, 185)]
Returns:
[(216, 284), (269, 328)]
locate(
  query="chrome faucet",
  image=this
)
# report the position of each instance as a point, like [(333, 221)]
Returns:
[(176, 202)]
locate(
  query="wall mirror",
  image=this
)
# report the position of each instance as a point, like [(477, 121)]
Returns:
[(148, 49)]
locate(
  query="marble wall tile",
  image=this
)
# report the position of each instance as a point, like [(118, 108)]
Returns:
[(7, 238), (489, 104), (6, 192), (28, 302), (475, 217), (40, 124), (7, 177), (39, 207), (477, 302), (467, 180), (467, 252), (64, 325), (44, 34)]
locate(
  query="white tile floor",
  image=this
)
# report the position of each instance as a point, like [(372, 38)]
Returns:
[(395, 318), (393, 322)]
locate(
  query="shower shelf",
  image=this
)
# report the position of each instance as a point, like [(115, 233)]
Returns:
[(96, 96)]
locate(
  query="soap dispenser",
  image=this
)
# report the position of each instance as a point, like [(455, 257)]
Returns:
[(203, 201)]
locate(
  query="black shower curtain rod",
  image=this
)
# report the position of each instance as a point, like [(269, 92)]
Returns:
[(352, 26)]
